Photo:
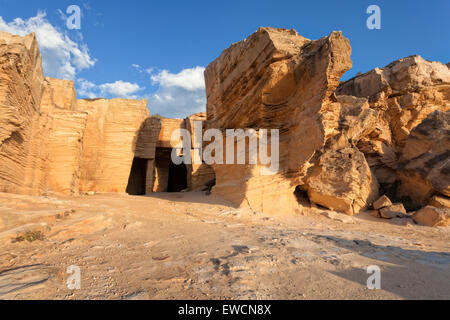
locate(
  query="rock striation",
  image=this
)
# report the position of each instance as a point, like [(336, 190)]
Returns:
[(21, 88), (277, 79), (409, 149), (109, 142), (342, 145), (52, 142)]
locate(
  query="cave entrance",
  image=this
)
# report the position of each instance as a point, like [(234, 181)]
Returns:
[(169, 177), (136, 181), (177, 177)]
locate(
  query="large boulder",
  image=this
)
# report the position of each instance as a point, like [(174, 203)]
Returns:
[(424, 167), (432, 217), (277, 79), (405, 93), (342, 181)]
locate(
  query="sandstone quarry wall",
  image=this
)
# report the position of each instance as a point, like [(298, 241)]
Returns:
[(109, 142), (342, 144), (52, 142), (60, 94), (198, 174), (60, 137), (21, 87)]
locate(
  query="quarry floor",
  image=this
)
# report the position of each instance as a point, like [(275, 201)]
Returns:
[(193, 246)]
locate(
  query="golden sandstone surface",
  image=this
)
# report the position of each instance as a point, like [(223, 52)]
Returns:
[(342, 145)]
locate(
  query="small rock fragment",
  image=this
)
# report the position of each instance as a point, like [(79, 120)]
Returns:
[(394, 211), (338, 217), (439, 202), (382, 202), (375, 214)]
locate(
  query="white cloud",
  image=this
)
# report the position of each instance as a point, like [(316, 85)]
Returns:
[(61, 56), (188, 79), (121, 89), (180, 94), (177, 95), (118, 89), (140, 69), (87, 89)]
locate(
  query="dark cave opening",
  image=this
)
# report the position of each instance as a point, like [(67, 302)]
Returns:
[(177, 177), (136, 181), (302, 196)]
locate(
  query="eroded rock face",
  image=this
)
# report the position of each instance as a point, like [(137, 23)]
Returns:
[(49, 141), (21, 86), (59, 94), (387, 130), (433, 217), (424, 167), (41, 133), (342, 181), (59, 138), (277, 79), (408, 134), (109, 142), (440, 202), (200, 176)]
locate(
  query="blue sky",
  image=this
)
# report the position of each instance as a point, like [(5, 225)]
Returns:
[(158, 49)]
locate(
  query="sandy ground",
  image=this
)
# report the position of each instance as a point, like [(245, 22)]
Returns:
[(192, 246)]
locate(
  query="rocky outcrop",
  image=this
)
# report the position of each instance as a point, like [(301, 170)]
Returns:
[(277, 79), (424, 167), (21, 86), (407, 148), (41, 133), (341, 145)]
